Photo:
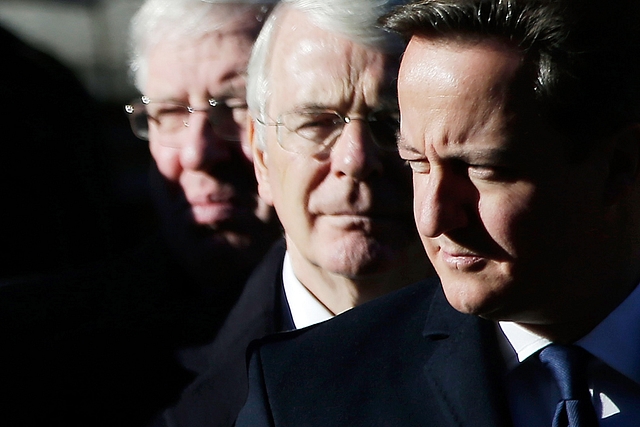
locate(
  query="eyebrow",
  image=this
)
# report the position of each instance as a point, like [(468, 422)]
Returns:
[(490, 155), (496, 155), (312, 106), (223, 96), (403, 145), (384, 104)]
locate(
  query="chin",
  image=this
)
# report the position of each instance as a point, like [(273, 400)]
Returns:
[(358, 263), (470, 298)]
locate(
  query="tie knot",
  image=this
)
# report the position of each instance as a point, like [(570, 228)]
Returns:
[(568, 364)]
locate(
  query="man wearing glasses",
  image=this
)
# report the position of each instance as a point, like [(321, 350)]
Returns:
[(119, 344), (189, 60), (322, 96), (521, 124), (325, 116)]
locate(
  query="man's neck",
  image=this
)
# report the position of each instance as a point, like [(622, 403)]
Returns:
[(588, 316), (341, 292)]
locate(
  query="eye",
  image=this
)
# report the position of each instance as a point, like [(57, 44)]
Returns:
[(419, 166), (490, 173), (314, 126), (318, 121), (236, 103), (385, 126), (229, 110), (390, 118), (167, 113)]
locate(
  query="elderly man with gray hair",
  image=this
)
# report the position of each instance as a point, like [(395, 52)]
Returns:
[(321, 91), (322, 94), (189, 59)]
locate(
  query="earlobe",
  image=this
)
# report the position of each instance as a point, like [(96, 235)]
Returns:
[(624, 164), (260, 166)]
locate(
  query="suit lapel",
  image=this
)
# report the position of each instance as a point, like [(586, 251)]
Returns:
[(216, 396), (465, 370)]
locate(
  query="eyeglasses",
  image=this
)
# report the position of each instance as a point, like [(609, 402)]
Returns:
[(227, 118), (314, 132)]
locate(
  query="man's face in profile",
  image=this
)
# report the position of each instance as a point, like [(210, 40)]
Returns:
[(510, 225)]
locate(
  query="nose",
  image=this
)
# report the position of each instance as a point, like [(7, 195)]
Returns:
[(201, 147), (443, 201), (355, 153)]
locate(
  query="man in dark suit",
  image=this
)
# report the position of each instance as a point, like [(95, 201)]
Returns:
[(324, 153), (521, 123)]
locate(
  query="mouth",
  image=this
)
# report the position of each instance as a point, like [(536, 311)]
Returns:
[(363, 215), (462, 260), (213, 212), (365, 221)]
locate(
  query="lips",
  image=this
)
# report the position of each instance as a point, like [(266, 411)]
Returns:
[(461, 259), (390, 211), (212, 213), (363, 216), (212, 209)]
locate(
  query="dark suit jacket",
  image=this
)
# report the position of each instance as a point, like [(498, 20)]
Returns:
[(406, 359), (215, 398)]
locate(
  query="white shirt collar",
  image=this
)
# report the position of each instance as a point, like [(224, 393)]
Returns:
[(306, 309), (523, 342), (615, 341)]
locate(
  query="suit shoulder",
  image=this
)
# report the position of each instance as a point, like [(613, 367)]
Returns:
[(379, 317)]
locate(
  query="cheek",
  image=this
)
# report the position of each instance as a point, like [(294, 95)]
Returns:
[(506, 217), (287, 184), (168, 161), (299, 194)]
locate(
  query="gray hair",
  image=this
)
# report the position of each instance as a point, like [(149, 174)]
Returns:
[(173, 20), (356, 20)]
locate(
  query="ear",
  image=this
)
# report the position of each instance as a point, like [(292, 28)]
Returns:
[(260, 165), (624, 164)]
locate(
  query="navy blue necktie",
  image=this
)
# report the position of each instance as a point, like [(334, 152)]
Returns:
[(569, 367)]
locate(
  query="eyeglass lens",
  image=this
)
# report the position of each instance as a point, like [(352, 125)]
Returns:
[(170, 118), (323, 128)]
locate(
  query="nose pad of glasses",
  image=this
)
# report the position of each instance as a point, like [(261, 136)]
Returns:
[(207, 125)]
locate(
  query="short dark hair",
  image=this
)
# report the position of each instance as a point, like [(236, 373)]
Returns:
[(584, 53)]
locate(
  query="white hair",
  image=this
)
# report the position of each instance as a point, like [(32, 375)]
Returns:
[(356, 20), (173, 20)]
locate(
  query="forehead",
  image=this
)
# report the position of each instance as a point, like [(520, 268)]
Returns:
[(451, 92), (214, 63), (340, 70)]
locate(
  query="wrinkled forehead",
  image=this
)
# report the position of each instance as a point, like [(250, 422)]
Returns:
[(215, 65), (312, 66), (221, 18)]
